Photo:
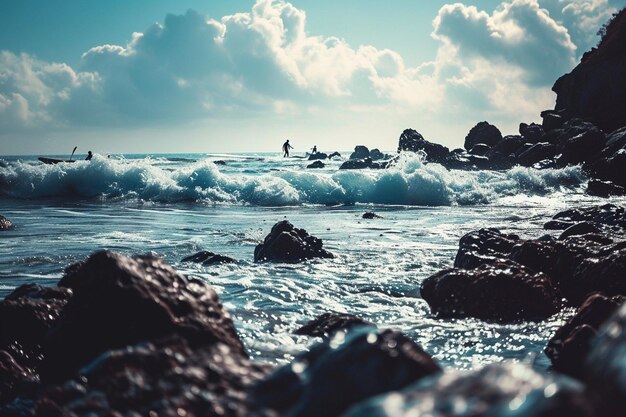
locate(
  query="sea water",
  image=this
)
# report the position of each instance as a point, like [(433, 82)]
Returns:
[(176, 205)]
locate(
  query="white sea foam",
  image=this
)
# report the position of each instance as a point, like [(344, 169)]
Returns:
[(409, 182)]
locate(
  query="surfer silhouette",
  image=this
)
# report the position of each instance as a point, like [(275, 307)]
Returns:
[(314, 150), (286, 147), (89, 156)]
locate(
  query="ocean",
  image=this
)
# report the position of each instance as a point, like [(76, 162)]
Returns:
[(176, 205)]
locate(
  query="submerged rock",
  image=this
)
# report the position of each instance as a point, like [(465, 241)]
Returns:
[(286, 243), (344, 371), (328, 323), (316, 164), (208, 258), (571, 343), (502, 290), (5, 224), (119, 301), (483, 132), (371, 215), (503, 390)]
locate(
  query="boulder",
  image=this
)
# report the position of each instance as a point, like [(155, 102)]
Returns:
[(317, 156), (581, 147), (334, 154), (596, 89), (581, 228), (610, 168), (604, 189), (551, 120), (412, 141), (538, 255), (531, 133), (371, 215), (208, 258), (360, 152), (15, 379), (344, 371), (502, 291), (376, 154), (536, 153), (316, 164), (5, 224), (357, 164), (483, 246), (507, 146), (503, 390), (480, 149), (483, 132), (328, 323), (286, 243), (571, 343), (607, 214), (120, 301), (606, 274)]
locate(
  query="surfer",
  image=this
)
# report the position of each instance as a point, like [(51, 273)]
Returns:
[(314, 150), (286, 147), (89, 156)]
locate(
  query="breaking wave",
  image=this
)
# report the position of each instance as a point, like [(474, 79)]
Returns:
[(409, 182)]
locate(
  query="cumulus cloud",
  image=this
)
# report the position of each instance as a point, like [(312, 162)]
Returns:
[(191, 67)]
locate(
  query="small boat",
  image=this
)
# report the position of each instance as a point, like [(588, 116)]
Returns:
[(52, 161)]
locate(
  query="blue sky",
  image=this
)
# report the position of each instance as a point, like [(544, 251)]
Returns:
[(220, 76)]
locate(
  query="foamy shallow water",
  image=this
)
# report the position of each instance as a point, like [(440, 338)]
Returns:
[(175, 206)]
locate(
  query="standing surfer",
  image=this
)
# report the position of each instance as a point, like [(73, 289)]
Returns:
[(89, 156), (286, 147)]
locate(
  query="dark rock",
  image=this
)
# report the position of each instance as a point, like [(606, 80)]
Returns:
[(286, 243), (334, 154), (551, 120), (507, 146), (26, 317), (357, 164), (344, 371), (168, 377), (208, 258), (483, 246), (328, 323), (581, 147), (606, 274), (596, 89), (581, 228), (536, 153), (480, 149), (605, 366), (523, 148), (557, 225), (570, 345), (538, 255), (15, 379), (545, 164), (607, 214), (483, 132), (360, 152), (371, 215), (220, 162), (316, 164), (503, 291), (412, 141), (531, 133), (503, 390), (317, 156), (119, 301), (610, 168), (604, 189), (5, 224), (376, 154)]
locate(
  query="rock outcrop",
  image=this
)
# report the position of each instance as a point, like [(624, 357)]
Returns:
[(208, 258), (286, 243), (412, 141), (316, 164), (484, 133), (360, 152), (5, 224)]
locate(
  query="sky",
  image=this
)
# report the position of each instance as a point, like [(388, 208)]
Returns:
[(162, 76)]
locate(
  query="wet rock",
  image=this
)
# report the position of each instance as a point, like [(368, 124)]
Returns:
[(538, 255), (317, 156), (357, 164), (412, 141), (328, 323), (119, 301), (607, 214), (536, 153), (507, 146), (5, 224), (483, 132), (360, 152), (480, 149), (334, 154), (606, 274), (316, 164), (610, 168), (208, 258), (286, 243), (604, 189), (581, 147), (376, 155), (15, 379), (371, 215), (551, 120), (483, 246), (504, 390), (571, 343), (168, 377), (220, 162), (605, 367), (26, 317), (502, 291), (581, 228), (342, 372), (532, 133), (557, 225)]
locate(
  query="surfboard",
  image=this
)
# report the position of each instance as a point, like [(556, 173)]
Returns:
[(52, 161)]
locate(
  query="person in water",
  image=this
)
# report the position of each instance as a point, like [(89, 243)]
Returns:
[(314, 150), (286, 147), (89, 156)]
